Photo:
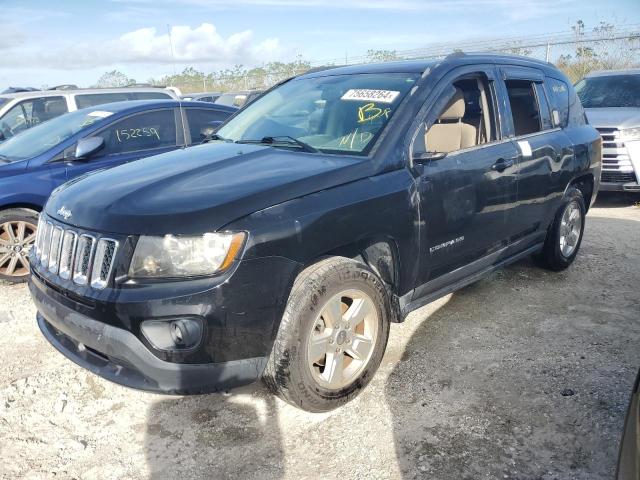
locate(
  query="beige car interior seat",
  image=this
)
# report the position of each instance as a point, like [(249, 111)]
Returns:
[(450, 133)]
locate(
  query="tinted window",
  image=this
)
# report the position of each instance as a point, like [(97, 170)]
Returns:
[(198, 118), (28, 113), (150, 96), (144, 131), (609, 91), (524, 106), (333, 113), (91, 99), (231, 99), (559, 98)]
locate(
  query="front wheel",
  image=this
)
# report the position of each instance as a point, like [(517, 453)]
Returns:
[(565, 234), (17, 237), (332, 336)]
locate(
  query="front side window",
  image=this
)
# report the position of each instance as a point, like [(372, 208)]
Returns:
[(199, 118), (29, 113), (524, 106), (143, 131), (330, 114), (467, 118), (609, 91), (37, 140)]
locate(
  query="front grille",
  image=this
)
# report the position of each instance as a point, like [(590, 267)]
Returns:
[(617, 177), (72, 255), (616, 163)]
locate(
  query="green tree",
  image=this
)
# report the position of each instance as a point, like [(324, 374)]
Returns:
[(114, 78)]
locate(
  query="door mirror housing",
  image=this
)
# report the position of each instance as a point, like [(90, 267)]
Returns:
[(425, 157), (210, 129), (87, 147)]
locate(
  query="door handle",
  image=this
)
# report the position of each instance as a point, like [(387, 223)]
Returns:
[(502, 164)]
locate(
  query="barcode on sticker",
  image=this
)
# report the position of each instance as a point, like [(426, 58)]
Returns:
[(367, 95)]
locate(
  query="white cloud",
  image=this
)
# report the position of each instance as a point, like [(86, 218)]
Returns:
[(201, 44)]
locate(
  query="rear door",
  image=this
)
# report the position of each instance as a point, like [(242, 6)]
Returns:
[(136, 136), (543, 149)]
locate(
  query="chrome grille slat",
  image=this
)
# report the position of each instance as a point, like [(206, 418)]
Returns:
[(616, 164), (103, 262), (69, 243), (84, 256), (54, 250), (46, 240)]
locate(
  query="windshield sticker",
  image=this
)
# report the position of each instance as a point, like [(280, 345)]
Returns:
[(370, 112), (366, 95), (100, 113), (125, 134)]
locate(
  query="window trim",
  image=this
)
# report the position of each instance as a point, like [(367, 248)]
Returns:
[(177, 130)]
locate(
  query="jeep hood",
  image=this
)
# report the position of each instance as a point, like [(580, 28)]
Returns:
[(199, 189), (613, 117)]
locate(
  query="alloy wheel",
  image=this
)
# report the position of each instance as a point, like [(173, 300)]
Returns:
[(570, 228), (343, 339), (16, 239)]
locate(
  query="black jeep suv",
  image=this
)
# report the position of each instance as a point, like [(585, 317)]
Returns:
[(336, 203)]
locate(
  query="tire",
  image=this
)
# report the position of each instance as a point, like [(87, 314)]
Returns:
[(308, 330), (555, 255), (17, 236)]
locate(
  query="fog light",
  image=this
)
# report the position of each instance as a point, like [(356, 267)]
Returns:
[(173, 334)]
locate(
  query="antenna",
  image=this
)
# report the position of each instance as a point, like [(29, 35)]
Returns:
[(173, 57)]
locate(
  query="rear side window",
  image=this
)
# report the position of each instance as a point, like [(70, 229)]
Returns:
[(199, 118), (150, 96), (92, 99), (143, 131), (525, 110), (559, 99)]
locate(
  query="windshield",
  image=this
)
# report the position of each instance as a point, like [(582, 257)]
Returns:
[(609, 91), (37, 140), (332, 114)]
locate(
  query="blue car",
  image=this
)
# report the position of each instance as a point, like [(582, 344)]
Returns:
[(35, 162)]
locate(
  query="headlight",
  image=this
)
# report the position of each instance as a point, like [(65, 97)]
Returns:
[(185, 256), (630, 134)]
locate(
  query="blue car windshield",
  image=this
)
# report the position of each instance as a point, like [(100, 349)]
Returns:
[(334, 114), (37, 140)]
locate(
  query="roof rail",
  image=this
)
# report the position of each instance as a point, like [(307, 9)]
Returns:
[(147, 85), (68, 86)]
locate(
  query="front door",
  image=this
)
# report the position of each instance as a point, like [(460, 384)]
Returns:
[(467, 196), (132, 138)]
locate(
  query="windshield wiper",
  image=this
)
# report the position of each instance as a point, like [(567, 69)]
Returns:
[(283, 139), (215, 136)]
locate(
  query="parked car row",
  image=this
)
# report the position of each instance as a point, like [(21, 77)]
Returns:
[(329, 207), (35, 162), (232, 99)]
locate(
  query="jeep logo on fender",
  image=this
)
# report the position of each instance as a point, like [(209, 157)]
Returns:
[(64, 212)]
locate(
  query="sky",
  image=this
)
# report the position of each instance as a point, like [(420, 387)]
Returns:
[(45, 43)]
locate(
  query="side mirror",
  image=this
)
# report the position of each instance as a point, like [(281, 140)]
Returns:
[(210, 129), (87, 147), (424, 157)]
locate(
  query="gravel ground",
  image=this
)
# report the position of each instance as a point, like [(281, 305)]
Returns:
[(525, 374)]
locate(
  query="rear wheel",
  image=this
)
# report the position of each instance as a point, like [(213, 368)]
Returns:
[(565, 234), (17, 237), (332, 336)]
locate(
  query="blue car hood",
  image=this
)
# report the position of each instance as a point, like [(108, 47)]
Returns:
[(199, 189)]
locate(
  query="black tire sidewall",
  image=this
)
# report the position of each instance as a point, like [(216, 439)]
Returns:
[(305, 303)]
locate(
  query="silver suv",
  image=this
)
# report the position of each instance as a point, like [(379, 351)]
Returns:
[(612, 103), (23, 110)]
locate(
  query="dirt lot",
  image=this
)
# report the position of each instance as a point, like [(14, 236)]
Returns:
[(525, 374)]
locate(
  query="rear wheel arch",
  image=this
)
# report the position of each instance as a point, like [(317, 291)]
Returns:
[(585, 184)]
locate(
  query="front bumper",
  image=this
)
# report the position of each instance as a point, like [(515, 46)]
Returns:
[(619, 187), (118, 355)]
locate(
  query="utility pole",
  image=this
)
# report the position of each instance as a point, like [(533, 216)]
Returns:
[(546, 58)]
